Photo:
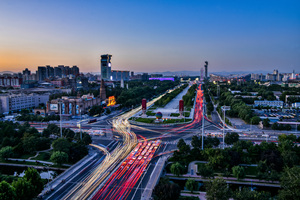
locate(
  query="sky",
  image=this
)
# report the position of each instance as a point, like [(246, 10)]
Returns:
[(151, 36)]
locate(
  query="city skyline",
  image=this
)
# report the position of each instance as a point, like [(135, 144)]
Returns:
[(151, 36)]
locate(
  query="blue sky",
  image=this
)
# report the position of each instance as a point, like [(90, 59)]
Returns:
[(151, 35)]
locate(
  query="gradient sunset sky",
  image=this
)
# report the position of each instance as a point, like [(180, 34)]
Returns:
[(151, 36)]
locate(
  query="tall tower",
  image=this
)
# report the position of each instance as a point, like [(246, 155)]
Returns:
[(105, 64), (102, 91), (205, 67)]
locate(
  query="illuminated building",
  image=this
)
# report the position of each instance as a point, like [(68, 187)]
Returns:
[(105, 63)]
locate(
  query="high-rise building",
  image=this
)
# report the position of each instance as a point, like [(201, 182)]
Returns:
[(41, 73), (57, 71), (102, 91), (105, 63), (49, 71), (26, 72), (75, 70), (205, 68)]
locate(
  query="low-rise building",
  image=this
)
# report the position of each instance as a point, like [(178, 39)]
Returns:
[(296, 105), (16, 102), (73, 105), (269, 103)]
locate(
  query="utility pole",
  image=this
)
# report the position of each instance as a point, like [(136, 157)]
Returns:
[(223, 128), (60, 119), (80, 126), (224, 108), (203, 104)]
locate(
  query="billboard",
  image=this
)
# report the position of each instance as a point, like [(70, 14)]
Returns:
[(54, 106), (181, 105), (144, 104)]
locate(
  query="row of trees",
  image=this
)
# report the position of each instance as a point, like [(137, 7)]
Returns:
[(37, 118), (17, 140), (188, 98), (271, 158), (139, 90), (169, 96), (25, 188)]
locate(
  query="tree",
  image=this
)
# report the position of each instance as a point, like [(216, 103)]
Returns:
[(231, 138), (177, 169), (205, 171), (6, 152), (86, 139), (180, 143), (196, 143), (34, 178), (266, 122), (255, 120), (59, 157), (61, 144), (53, 129), (247, 194), (191, 185), (7, 192), (290, 184), (238, 172), (23, 189), (290, 158), (165, 190), (217, 190)]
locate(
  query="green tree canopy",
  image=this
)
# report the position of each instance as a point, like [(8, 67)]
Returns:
[(217, 190), (23, 189), (34, 178), (191, 185), (6, 152), (165, 190), (177, 169), (59, 157), (290, 184), (61, 144), (7, 192), (238, 172)]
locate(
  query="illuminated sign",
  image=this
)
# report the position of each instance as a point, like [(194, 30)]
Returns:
[(111, 101), (53, 107), (163, 79)]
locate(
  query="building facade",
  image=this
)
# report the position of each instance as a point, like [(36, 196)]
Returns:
[(16, 102), (105, 63), (269, 103), (72, 105)]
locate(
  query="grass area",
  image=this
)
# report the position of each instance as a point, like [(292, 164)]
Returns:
[(145, 120), (44, 156), (167, 121), (251, 170), (187, 114), (188, 109), (26, 156), (174, 114), (150, 113)]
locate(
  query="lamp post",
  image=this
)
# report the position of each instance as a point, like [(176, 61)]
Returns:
[(203, 104), (80, 126), (224, 109), (60, 118), (250, 124)]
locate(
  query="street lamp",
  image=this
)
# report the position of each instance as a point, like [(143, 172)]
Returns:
[(224, 109), (60, 102), (251, 124), (203, 104)]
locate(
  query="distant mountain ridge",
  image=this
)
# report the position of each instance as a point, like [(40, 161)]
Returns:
[(197, 73)]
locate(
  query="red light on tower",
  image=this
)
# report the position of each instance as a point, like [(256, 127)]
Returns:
[(144, 104), (181, 105)]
